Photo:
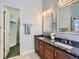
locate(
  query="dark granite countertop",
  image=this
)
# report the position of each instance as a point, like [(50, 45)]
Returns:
[(74, 51)]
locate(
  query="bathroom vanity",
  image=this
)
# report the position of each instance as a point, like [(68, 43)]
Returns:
[(47, 49)]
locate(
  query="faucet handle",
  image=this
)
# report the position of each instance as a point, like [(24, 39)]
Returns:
[(70, 42), (65, 41)]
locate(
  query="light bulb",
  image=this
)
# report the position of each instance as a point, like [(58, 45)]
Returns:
[(60, 3), (44, 13)]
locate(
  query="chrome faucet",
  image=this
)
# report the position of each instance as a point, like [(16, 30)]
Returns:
[(70, 42)]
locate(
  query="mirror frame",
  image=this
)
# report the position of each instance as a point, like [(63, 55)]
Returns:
[(73, 33)]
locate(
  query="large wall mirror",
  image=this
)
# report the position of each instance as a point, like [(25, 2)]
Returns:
[(68, 18), (47, 23)]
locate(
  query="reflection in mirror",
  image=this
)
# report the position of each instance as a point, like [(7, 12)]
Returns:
[(75, 24), (68, 18), (47, 24)]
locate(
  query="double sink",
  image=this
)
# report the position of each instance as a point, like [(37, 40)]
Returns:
[(60, 44), (64, 45)]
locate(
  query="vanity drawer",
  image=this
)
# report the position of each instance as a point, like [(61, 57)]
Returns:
[(50, 47), (41, 47), (41, 43), (49, 52), (48, 57)]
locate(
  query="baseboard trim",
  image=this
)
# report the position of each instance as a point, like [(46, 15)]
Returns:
[(27, 52)]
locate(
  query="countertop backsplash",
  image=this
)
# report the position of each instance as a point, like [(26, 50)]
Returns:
[(73, 37), (67, 41)]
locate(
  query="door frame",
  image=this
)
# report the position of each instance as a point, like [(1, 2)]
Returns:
[(2, 31)]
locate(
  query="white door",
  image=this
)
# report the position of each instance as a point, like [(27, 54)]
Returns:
[(7, 30)]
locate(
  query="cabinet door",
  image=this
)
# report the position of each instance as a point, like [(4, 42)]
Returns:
[(36, 44), (48, 56), (62, 55), (41, 46), (67, 56), (48, 51), (58, 55)]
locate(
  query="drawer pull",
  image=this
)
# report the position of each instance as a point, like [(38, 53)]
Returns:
[(55, 54), (48, 52)]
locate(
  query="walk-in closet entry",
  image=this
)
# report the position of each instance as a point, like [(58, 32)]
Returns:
[(11, 24)]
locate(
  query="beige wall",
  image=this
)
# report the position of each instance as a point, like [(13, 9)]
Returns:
[(30, 14)]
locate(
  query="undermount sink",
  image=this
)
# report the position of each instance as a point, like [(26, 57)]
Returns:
[(41, 37), (64, 45)]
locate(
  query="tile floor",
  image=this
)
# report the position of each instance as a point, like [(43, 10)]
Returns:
[(14, 51), (29, 56)]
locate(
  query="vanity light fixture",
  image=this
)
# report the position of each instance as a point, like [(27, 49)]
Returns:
[(63, 3), (47, 12), (60, 3), (44, 13)]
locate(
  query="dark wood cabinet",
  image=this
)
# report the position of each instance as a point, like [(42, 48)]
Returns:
[(41, 47), (59, 54), (47, 51), (36, 45), (62, 55)]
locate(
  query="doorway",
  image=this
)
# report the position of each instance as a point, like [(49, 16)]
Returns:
[(11, 35)]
